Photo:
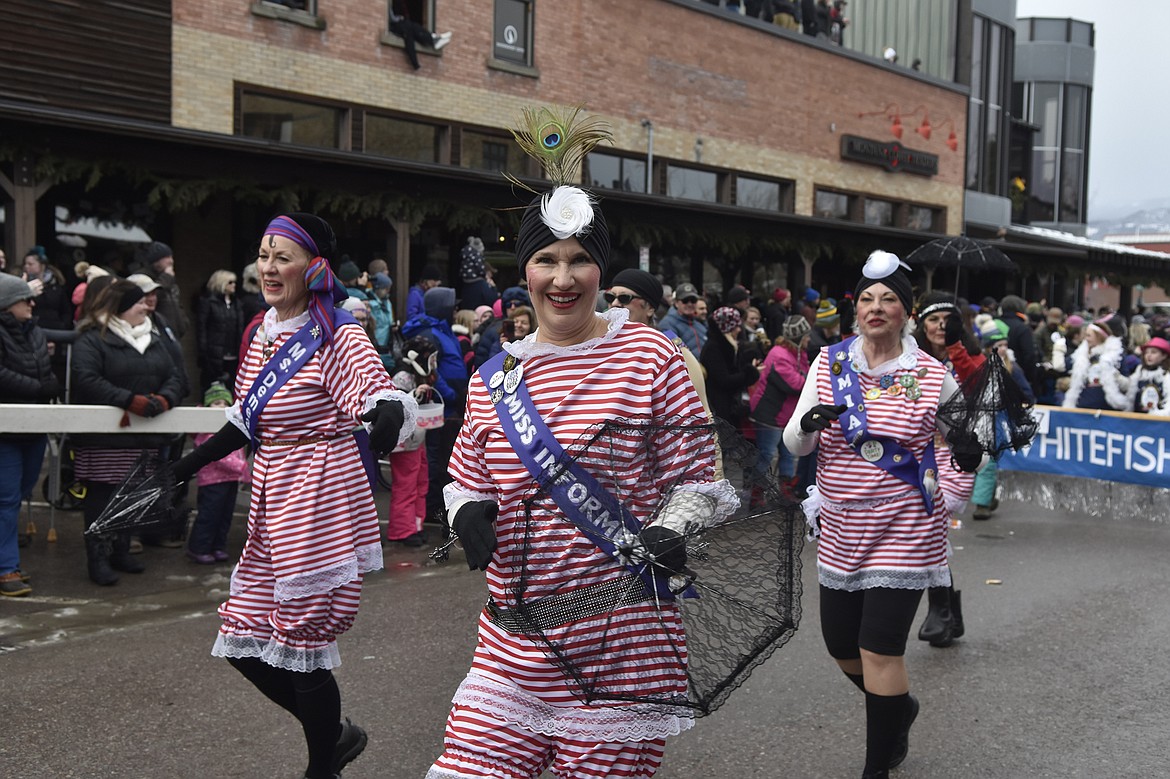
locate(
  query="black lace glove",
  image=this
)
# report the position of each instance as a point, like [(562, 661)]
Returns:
[(475, 524), (50, 388), (953, 329), (387, 418), (227, 440), (666, 548), (966, 453), (820, 417)]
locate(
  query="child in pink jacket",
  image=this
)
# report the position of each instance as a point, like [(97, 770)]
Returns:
[(218, 484)]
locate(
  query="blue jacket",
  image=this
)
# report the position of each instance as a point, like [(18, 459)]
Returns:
[(692, 332), (451, 367), (414, 302)]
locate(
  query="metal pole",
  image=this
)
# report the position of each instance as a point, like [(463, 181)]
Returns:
[(649, 155)]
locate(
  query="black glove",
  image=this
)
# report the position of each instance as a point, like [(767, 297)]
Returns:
[(50, 387), (820, 417), (475, 524), (155, 405), (667, 548), (227, 440), (953, 330), (966, 453), (387, 417)]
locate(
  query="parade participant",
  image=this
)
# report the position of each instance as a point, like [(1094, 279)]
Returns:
[(25, 377), (1149, 385), (1095, 380), (871, 404), (418, 374), (118, 360), (515, 714), (940, 332), (307, 378)]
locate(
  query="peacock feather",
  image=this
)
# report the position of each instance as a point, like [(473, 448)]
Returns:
[(559, 140)]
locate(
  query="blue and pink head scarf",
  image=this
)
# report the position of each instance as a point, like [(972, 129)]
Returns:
[(314, 234)]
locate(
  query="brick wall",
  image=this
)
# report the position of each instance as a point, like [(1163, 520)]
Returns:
[(772, 104)]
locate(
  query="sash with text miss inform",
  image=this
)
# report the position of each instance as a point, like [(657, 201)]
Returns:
[(589, 506)]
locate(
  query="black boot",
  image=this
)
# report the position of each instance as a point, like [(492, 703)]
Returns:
[(956, 614), (937, 628), (121, 559), (97, 557)]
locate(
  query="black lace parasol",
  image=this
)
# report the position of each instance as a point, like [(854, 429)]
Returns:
[(735, 603), (144, 500), (991, 409)]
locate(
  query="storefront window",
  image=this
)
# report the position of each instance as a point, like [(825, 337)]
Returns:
[(401, 138), (486, 151), (753, 193), (831, 205), (920, 218), (291, 121), (691, 184), (879, 212), (612, 172)]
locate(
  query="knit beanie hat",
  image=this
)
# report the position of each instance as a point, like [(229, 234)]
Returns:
[(727, 319), (348, 271), (382, 281), (780, 294), (217, 391), (827, 314), (645, 284), (13, 290), (430, 272), (154, 251), (737, 294), (993, 330), (795, 328)]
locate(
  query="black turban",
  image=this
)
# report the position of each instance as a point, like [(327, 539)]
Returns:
[(535, 235)]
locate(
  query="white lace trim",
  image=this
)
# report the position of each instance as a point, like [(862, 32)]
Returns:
[(457, 492), (907, 360), (530, 347), (409, 410), (811, 506), (603, 724), (272, 328), (301, 585), (890, 578), (955, 505), (723, 496), (278, 655)]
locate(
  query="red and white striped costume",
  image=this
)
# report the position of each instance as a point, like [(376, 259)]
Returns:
[(874, 528), (513, 688), (312, 525)]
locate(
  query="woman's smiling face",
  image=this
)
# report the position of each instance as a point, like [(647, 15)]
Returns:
[(563, 282)]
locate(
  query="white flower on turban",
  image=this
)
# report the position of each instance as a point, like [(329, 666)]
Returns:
[(567, 212)]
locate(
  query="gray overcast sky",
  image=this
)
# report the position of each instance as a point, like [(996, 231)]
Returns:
[(1129, 157)]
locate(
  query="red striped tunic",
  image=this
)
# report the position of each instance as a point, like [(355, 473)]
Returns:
[(633, 372), (312, 524), (875, 530)]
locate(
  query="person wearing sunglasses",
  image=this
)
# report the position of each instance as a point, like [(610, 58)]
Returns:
[(683, 320), (640, 293)]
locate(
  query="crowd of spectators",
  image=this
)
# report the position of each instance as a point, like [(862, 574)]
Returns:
[(818, 18)]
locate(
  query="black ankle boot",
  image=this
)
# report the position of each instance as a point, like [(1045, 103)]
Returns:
[(121, 559), (956, 614), (97, 558), (938, 627)]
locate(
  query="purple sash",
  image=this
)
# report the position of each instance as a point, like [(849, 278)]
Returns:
[(281, 367), (588, 505), (883, 452)]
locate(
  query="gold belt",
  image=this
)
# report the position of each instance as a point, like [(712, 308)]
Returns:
[(316, 439)]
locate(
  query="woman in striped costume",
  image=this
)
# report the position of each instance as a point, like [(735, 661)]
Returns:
[(871, 403), (312, 526), (517, 713)]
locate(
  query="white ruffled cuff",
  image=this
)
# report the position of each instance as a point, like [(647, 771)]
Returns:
[(409, 410), (811, 506), (455, 495), (235, 415), (683, 515)]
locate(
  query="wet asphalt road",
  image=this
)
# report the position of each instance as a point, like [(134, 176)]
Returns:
[(1061, 673)]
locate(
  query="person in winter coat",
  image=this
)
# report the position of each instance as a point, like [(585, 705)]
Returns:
[(219, 324), (477, 290), (410, 472), (219, 483), (683, 320), (428, 279), (118, 360), (157, 261), (490, 343), (436, 324), (1021, 339), (382, 311), (726, 379), (54, 305), (774, 396), (1149, 385), (25, 377), (1095, 380), (248, 293)]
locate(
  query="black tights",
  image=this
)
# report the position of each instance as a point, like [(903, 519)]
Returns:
[(313, 698)]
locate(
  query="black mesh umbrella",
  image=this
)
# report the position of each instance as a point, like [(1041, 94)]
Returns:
[(142, 501), (961, 253), (737, 602)]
